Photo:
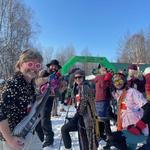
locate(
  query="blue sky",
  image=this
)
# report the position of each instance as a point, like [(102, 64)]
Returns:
[(94, 24)]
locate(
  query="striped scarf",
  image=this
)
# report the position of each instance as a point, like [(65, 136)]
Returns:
[(120, 107)]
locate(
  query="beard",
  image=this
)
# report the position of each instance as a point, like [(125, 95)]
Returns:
[(30, 74)]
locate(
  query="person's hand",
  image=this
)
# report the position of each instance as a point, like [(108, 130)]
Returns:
[(15, 143), (137, 128), (43, 88)]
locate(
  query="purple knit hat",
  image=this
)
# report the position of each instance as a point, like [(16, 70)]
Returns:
[(132, 66)]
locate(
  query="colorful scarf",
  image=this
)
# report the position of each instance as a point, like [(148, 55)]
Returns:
[(121, 106)]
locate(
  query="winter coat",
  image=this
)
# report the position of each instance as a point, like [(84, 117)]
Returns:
[(147, 86), (137, 83), (102, 88), (133, 112), (86, 109)]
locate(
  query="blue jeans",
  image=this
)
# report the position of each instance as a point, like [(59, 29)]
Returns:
[(102, 111), (102, 107)]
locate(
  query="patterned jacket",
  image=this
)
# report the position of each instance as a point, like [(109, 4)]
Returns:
[(87, 110), (132, 112), (16, 97)]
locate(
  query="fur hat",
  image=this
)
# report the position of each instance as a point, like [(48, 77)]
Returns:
[(132, 67), (54, 62), (73, 70), (81, 72)]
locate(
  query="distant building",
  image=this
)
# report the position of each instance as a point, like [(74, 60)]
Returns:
[(120, 66)]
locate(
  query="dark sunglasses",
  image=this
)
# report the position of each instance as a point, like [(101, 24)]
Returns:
[(78, 77)]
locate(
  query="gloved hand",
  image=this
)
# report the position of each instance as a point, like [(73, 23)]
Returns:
[(108, 77), (44, 88), (137, 128)]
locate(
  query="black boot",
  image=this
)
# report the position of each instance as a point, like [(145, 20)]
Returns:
[(101, 130), (107, 147), (117, 140), (48, 141)]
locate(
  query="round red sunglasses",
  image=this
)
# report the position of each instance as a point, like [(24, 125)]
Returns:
[(32, 64)]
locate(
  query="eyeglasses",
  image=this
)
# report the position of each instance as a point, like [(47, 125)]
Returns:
[(31, 64), (78, 77)]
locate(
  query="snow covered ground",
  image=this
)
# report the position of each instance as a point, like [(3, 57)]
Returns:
[(57, 123)]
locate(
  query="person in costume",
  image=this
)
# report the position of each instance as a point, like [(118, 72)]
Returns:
[(16, 98), (44, 128), (84, 119), (132, 116)]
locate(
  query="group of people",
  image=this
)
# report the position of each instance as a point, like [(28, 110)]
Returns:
[(131, 92), (30, 82)]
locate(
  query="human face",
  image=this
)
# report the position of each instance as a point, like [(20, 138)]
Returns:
[(118, 83), (78, 79), (30, 69), (103, 71), (53, 67), (132, 73)]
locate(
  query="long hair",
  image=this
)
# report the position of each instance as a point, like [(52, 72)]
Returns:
[(27, 55)]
